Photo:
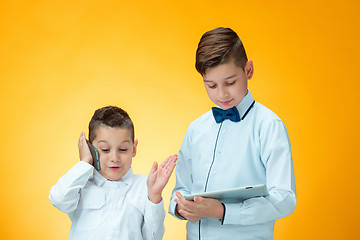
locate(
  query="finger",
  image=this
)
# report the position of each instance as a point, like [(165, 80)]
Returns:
[(170, 163), (177, 201), (188, 205), (83, 137), (170, 169), (80, 140), (189, 216), (84, 144), (180, 197), (172, 159), (181, 207), (165, 163), (185, 213), (172, 166), (154, 168)]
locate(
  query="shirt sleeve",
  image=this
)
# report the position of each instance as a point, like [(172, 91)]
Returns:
[(153, 228), (277, 159), (183, 174), (65, 194)]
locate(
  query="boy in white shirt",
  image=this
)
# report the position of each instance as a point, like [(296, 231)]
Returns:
[(112, 203), (239, 143)]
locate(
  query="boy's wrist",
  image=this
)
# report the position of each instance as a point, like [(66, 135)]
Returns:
[(89, 161), (155, 198), (218, 212)]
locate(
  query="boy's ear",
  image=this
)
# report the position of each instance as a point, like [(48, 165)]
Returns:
[(135, 148), (249, 69)]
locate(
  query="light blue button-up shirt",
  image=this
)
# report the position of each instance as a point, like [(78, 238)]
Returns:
[(107, 210), (255, 150)]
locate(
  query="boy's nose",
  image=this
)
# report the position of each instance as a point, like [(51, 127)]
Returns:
[(115, 157), (222, 92)]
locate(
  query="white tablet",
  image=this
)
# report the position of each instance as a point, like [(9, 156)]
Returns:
[(235, 194)]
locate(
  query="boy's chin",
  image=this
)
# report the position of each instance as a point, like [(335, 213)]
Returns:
[(226, 107), (112, 177)]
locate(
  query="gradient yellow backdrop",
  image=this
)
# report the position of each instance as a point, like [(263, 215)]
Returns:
[(61, 60)]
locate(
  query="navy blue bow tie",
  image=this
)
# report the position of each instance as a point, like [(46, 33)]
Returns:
[(231, 113)]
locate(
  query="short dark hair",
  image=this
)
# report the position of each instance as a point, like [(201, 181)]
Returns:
[(219, 46), (110, 116)]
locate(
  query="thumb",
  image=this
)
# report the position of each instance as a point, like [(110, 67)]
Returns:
[(154, 167), (198, 199)]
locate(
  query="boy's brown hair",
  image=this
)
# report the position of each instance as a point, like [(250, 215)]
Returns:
[(110, 116), (219, 46)]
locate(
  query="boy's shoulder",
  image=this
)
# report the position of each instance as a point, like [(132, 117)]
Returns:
[(206, 118), (262, 112)]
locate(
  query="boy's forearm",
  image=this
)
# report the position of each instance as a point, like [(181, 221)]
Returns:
[(65, 193), (154, 217), (260, 210)]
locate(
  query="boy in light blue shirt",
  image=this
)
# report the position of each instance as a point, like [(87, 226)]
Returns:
[(112, 203), (238, 143)]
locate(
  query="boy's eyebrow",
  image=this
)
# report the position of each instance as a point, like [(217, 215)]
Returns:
[(232, 76), (227, 78), (104, 141), (207, 80)]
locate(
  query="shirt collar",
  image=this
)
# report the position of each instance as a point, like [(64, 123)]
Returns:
[(245, 105), (100, 179)]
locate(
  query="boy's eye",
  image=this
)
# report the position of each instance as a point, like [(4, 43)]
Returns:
[(123, 149), (105, 149), (230, 83), (212, 86)]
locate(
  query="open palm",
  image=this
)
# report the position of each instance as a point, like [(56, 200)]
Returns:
[(159, 177)]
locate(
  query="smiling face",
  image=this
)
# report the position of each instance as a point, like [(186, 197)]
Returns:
[(116, 150), (226, 84)]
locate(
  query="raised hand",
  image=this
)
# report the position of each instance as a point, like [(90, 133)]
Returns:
[(159, 177), (84, 151)]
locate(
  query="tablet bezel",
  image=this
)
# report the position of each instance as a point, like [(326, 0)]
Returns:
[(234, 194)]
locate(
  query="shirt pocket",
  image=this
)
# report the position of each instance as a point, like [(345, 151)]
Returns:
[(89, 213)]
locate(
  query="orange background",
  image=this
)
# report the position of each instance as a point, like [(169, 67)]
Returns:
[(61, 60)]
